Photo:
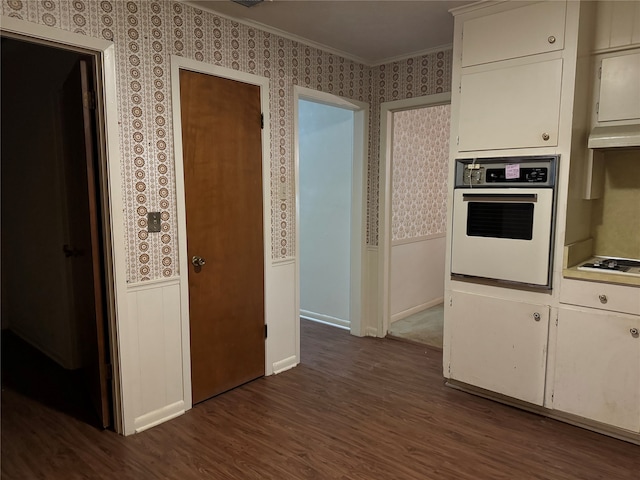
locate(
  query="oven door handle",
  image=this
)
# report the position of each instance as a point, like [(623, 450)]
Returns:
[(500, 197)]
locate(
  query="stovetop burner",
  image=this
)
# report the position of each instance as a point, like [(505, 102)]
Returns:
[(626, 266)]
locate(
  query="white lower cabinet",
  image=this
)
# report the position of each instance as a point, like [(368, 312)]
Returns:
[(597, 366), (499, 345)]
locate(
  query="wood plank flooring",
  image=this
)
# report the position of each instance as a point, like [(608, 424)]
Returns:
[(356, 408)]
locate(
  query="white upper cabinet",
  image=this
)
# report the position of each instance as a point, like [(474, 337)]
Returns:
[(528, 30), (620, 88), (513, 106), (618, 24)]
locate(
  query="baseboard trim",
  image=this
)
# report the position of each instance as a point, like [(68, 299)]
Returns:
[(161, 415), (569, 418), (418, 308), (329, 320), (371, 332), (284, 365)]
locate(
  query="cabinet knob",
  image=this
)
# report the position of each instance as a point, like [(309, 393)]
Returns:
[(536, 317), (634, 332), (551, 39), (603, 298), (545, 136)]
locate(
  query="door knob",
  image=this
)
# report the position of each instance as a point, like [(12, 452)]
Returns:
[(197, 261)]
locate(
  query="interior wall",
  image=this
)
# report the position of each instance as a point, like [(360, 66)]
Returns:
[(35, 301), (615, 220), (326, 136), (147, 33), (420, 154)]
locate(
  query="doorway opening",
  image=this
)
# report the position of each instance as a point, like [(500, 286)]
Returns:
[(415, 163), (55, 337), (330, 138)]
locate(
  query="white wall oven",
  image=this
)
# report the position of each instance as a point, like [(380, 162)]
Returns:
[(503, 219)]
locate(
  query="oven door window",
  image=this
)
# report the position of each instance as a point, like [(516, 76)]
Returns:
[(500, 220)]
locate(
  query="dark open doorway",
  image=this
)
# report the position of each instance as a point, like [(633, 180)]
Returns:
[(54, 337)]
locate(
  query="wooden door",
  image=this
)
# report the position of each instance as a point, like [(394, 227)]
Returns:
[(83, 248), (221, 136)]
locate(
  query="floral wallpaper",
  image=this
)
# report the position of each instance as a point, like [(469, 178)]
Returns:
[(419, 172), (413, 77), (146, 33)]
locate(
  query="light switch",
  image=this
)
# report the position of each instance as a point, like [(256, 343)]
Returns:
[(153, 221)]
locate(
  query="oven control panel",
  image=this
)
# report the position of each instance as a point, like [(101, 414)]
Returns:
[(526, 174), (507, 172)]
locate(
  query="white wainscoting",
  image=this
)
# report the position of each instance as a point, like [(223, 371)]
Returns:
[(283, 324), (417, 275), (154, 373), (154, 342), (371, 322)]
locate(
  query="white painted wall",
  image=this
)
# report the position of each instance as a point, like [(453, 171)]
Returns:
[(417, 273), (326, 136)]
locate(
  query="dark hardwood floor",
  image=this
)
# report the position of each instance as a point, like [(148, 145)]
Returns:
[(355, 408)]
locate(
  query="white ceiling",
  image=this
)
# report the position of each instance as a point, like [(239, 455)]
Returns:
[(370, 32)]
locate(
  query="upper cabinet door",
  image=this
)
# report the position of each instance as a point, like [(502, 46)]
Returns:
[(514, 106), (523, 31), (620, 88)]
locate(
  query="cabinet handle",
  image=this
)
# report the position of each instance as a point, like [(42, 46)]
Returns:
[(551, 39), (634, 332), (603, 298), (545, 136), (536, 317)]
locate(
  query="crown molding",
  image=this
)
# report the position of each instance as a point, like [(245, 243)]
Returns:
[(317, 45), (419, 53), (281, 33)]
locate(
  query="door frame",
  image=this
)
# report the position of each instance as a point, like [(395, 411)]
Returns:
[(387, 109), (358, 202), (110, 176), (180, 63)]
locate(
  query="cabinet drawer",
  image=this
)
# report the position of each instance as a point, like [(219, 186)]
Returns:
[(523, 31), (604, 296)]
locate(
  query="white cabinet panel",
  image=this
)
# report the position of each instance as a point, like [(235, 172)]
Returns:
[(597, 367), (523, 31), (618, 24), (499, 345), (620, 88), (605, 296), (511, 107)]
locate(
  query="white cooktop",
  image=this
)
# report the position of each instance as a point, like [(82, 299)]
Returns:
[(618, 266)]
